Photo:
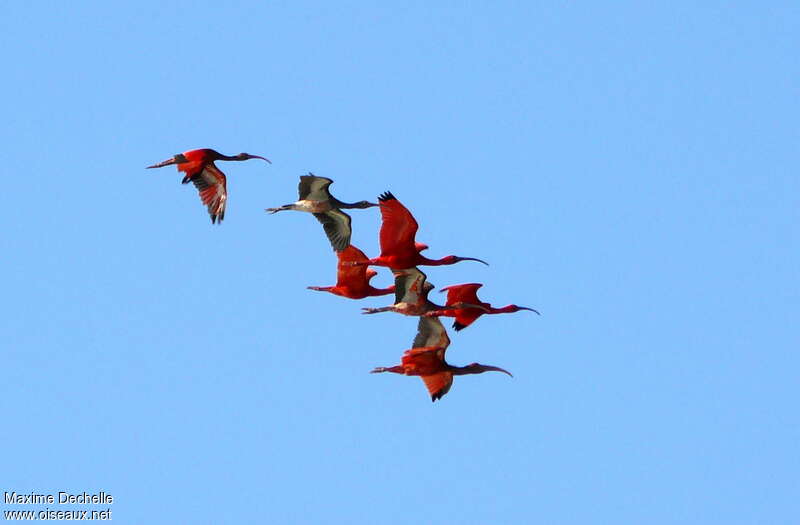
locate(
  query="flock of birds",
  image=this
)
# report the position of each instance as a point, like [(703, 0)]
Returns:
[(399, 252)]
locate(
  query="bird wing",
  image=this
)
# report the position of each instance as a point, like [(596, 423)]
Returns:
[(438, 384), (398, 227), (313, 188), (348, 274), (462, 293), (211, 184), (409, 286), (431, 332), (428, 363), (336, 224)]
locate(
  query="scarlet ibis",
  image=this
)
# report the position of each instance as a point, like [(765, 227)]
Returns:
[(199, 167), (428, 361), (353, 281), (460, 293), (399, 250), (316, 199), (411, 296)]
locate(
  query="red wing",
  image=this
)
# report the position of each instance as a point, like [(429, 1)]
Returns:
[(428, 363), (213, 192), (438, 384), (398, 227), (426, 360), (353, 276), (462, 293)]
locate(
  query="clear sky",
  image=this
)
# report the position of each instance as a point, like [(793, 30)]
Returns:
[(630, 169)]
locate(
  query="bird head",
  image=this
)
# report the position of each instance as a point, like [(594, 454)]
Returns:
[(365, 204), (515, 308), (247, 156), (477, 368), (452, 259)]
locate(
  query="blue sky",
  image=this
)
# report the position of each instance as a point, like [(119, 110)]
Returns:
[(629, 170)]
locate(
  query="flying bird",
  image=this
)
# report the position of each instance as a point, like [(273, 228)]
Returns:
[(411, 290), (316, 199), (199, 168), (428, 361), (353, 281), (461, 293), (399, 250)]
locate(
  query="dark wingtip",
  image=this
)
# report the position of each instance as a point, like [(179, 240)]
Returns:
[(386, 196), (458, 326)]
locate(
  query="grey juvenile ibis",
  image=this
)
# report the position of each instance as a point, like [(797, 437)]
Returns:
[(316, 199)]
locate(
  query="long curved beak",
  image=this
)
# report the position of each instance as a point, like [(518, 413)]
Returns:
[(496, 369), (162, 163), (529, 309), (473, 259), (262, 158)]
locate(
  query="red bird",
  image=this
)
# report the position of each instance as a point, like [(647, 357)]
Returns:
[(428, 361), (399, 250), (198, 165), (411, 296), (353, 281), (468, 293)]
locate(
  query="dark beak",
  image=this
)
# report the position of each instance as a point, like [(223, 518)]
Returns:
[(262, 158), (497, 369), (473, 259), (529, 309)]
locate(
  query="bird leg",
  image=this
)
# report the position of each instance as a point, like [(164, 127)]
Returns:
[(320, 288), (378, 310), (276, 210), (395, 369)]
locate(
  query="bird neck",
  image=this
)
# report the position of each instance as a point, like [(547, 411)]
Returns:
[(464, 370), (508, 309), (220, 156), (435, 262)]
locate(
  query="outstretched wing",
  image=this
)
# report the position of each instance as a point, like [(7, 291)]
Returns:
[(409, 286), (348, 274), (398, 227), (313, 188), (462, 293), (211, 184), (428, 363), (431, 332), (438, 384), (336, 224)]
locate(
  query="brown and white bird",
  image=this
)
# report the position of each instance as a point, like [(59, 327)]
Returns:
[(411, 290), (317, 200), (199, 167)]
